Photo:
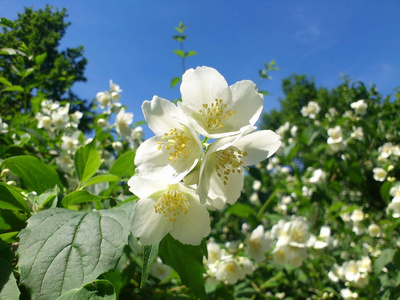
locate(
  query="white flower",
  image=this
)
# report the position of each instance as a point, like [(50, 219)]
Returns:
[(358, 228), (395, 191), (311, 110), (118, 146), (318, 176), (285, 254), (65, 162), (350, 270), (357, 133), (69, 144), (160, 270), (364, 264), (229, 271), (216, 109), (176, 148), (335, 135), (104, 99), (394, 206), (167, 208), (101, 122), (293, 131), (374, 230), (385, 150), (258, 244), (357, 215), (348, 294), (295, 233), (379, 174), (59, 120), (214, 252), (335, 274), (114, 87), (222, 169), (3, 126), (324, 238), (360, 107), (76, 117), (138, 133), (43, 121), (122, 122)]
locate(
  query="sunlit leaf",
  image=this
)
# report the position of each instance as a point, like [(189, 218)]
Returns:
[(61, 250)]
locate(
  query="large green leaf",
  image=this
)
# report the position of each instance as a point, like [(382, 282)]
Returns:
[(62, 249), (96, 290), (87, 161), (101, 179), (77, 197), (11, 198), (187, 260), (124, 166), (150, 253), (37, 176)]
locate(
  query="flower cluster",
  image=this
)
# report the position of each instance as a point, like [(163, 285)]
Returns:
[(178, 176), (223, 266), (352, 271)]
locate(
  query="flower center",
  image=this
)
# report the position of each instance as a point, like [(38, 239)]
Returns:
[(215, 114), (171, 204), (229, 161), (177, 142)]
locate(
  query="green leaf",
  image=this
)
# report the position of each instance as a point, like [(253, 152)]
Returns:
[(179, 38), (150, 253), (36, 175), (96, 290), (61, 250), (241, 210), (7, 23), (10, 290), (40, 59), (4, 81), (101, 179), (87, 161), (175, 81), (11, 198), (124, 166), (8, 285), (48, 196), (383, 259), (187, 260), (385, 190), (190, 53), (77, 197), (179, 53), (14, 88)]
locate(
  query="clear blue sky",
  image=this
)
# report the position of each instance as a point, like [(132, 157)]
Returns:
[(130, 42)]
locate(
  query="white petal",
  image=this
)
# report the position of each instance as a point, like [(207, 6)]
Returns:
[(192, 227), (150, 226), (201, 86), (259, 145), (211, 185), (145, 187), (162, 115), (155, 163), (246, 102)]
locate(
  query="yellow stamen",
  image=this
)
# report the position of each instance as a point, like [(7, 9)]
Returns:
[(229, 161), (171, 204), (215, 114)]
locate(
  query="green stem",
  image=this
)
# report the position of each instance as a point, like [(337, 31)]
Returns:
[(265, 205)]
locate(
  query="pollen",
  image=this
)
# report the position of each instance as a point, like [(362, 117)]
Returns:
[(171, 204), (229, 161), (214, 115), (177, 142)]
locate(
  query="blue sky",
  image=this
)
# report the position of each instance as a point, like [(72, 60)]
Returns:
[(130, 42)]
